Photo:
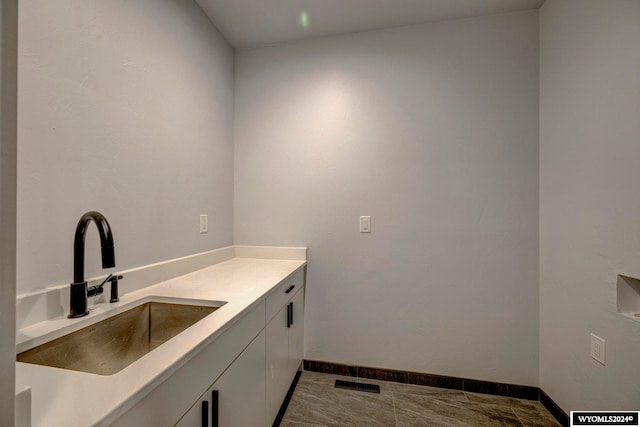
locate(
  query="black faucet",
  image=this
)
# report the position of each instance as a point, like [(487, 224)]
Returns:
[(79, 289)]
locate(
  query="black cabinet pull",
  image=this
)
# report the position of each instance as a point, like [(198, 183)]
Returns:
[(215, 411), (289, 315), (290, 289), (291, 305), (205, 413)]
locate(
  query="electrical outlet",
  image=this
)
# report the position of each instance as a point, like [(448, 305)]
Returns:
[(598, 348), (365, 224), (204, 224)]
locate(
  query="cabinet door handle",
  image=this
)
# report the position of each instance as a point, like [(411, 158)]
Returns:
[(215, 411), (289, 315), (290, 289), (205, 413)]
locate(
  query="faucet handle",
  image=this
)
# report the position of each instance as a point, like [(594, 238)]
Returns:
[(106, 279), (98, 289), (94, 290), (114, 287)]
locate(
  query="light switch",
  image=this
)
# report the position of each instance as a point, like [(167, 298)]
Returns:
[(204, 224), (598, 347), (365, 224)]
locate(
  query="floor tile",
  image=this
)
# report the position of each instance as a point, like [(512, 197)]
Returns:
[(385, 387), (501, 400), (286, 423), (442, 411), (425, 390), (501, 389), (536, 417), (317, 402)]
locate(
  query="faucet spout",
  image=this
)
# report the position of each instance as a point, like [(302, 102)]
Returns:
[(79, 290), (106, 243)]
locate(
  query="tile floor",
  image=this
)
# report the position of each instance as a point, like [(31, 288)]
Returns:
[(316, 402)]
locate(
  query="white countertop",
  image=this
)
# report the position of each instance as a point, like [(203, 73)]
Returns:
[(63, 397)]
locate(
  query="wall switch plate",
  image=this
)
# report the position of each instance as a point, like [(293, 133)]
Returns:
[(365, 224), (204, 224), (598, 348)]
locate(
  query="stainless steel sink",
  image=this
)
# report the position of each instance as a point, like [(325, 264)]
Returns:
[(108, 346)]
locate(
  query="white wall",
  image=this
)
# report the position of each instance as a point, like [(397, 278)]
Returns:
[(125, 108), (8, 74), (433, 131), (589, 199)]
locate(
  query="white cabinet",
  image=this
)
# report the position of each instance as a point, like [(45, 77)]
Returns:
[(167, 404), (237, 398), (285, 343), (251, 367)]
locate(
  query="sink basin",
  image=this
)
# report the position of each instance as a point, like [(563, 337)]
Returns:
[(108, 346)]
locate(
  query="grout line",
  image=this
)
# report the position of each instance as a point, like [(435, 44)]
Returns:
[(517, 417), (393, 401)]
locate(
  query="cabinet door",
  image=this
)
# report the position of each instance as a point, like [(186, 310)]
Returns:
[(277, 362), (241, 389), (296, 335), (240, 393)]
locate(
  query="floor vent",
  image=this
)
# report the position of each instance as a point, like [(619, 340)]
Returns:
[(350, 385)]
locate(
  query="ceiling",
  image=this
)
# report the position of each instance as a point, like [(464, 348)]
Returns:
[(250, 23)]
